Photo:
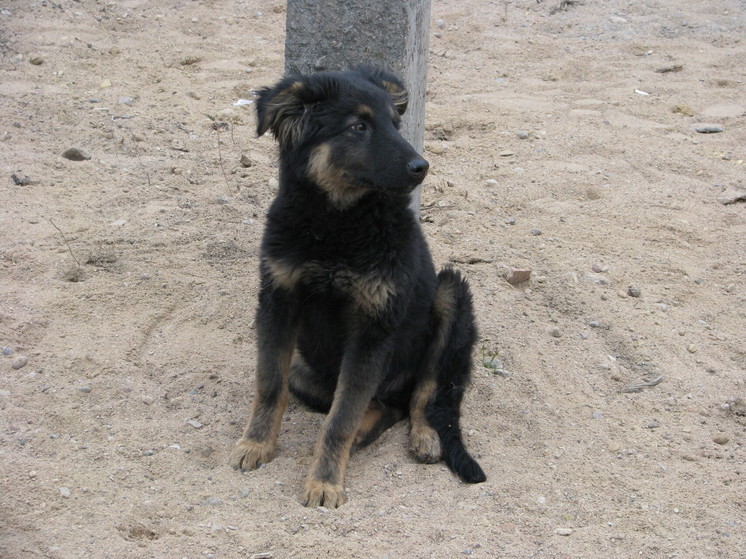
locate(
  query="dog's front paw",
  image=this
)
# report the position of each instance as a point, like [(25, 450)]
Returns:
[(322, 493), (425, 445), (249, 454)]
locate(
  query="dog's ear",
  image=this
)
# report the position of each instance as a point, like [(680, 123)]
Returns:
[(281, 108), (389, 82)]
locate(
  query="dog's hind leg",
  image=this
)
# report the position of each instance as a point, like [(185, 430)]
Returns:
[(376, 420), (276, 333), (442, 389)]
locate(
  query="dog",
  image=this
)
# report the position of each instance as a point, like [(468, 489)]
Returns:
[(352, 317)]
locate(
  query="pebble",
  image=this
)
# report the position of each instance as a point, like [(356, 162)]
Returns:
[(491, 182), (213, 501), (517, 275), (536, 232), (37, 60), (104, 84), (720, 439), (555, 332), (194, 423), (652, 425), (617, 19), (76, 154), (633, 291), (65, 492), (273, 183), (506, 153), (510, 221), (684, 110), (148, 452), (126, 101), (732, 194), (85, 389), (522, 134), (19, 362), (708, 128), (614, 447), (7, 351), (244, 493), (563, 531), (246, 161)]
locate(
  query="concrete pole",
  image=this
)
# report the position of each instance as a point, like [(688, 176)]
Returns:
[(339, 34)]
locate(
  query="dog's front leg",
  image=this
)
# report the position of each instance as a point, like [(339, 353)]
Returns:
[(277, 326), (362, 371)]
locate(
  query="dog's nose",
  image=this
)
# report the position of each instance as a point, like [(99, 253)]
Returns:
[(418, 168)]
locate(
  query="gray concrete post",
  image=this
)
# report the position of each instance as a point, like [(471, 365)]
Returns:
[(338, 34)]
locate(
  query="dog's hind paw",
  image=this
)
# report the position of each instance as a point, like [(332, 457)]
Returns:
[(249, 455), (425, 445), (322, 493)]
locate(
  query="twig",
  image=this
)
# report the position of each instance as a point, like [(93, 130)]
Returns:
[(65, 239), (638, 386), (137, 153), (217, 126)]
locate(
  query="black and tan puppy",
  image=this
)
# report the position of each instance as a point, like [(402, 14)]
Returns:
[(352, 317)]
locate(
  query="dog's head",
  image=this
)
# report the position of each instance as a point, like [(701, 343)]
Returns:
[(340, 131)]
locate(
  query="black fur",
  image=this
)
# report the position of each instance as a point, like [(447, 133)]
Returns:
[(348, 287)]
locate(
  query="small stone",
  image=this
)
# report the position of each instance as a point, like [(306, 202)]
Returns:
[(555, 332), (563, 531), (213, 501), (148, 400), (517, 275), (126, 101), (617, 19), (194, 95), (708, 128), (244, 493), (633, 291), (85, 389), (104, 84), (652, 425), (246, 161), (65, 492), (148, 452), (510, 221), (536, 232), (32, 474), (522, 135), (684, 110), (37, 60), (7, 351), (692, 348), (491, 183), (273, 183), (19, 362), (732, 194), (194, 423), (441, 24), (614, 447), (76, 154), (506, 153), (720, 439)]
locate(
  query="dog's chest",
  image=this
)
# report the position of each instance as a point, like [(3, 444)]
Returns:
[(369, 290)]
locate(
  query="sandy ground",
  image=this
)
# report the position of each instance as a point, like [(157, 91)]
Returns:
[(562, 141)]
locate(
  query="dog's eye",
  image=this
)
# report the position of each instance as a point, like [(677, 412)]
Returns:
[(359, 127)]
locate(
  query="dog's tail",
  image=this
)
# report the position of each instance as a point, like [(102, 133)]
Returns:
[(454, 336)]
